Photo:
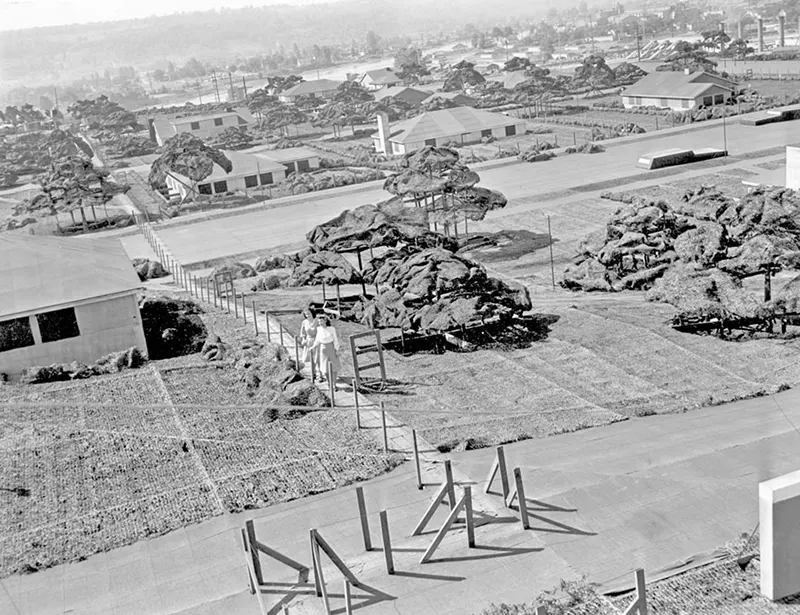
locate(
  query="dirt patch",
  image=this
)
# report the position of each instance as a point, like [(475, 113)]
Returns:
[(503, 245)]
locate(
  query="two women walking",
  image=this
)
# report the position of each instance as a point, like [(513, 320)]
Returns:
[(320, 345)]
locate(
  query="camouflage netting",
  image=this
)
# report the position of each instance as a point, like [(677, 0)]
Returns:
[(172, 327), (371, 226), (148, 270), (435, 289), (324, 266), (237, 271), (695, 254), (189, 156), (472, 203)]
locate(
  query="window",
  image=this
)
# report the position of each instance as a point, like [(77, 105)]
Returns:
[(15, 333), (220, 187), (217, 121), (719, 99), (663, 102), (486, 133), (396, 148), (195, 126), (708, 100), (289, 167), (58, 325), (266, 178), (639, 100), (430, 141), (685, 104), (303, 165), (251, 181), (204, 188), (511, 131)]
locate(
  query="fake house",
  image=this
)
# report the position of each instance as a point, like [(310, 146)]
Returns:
[(64, 300), (678, 90), (201, 126), (457, 125)]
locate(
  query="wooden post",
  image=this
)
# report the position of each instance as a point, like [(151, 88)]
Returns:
[(523, 505), (228, 301), (416, 458), (331, 387), (348, 599), (297, 354), (244, 309), (266, 316), (255, 317), (499, 465), (448, 480), (387, 543), (383, 427), (235, 305), (280, 331), (355, 403), (468, 515), (362, 513), (251, 540), (552, 266), (641, 591)]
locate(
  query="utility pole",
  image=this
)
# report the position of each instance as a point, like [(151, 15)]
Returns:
[(244, 86), (199, 93), (216, 85), (638, 47), (150, 79), (230, 80)]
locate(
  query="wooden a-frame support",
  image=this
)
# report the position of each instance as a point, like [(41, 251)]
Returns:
[(499, 465), (518, 492), (639, 606), (465, 503), (446, 490), (319, 545)]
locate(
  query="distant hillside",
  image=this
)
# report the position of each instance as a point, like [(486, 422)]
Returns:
[(45, 55)]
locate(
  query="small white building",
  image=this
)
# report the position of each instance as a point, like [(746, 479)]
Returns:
[(379, 78), (678, 91), (293, 159), (201, 126), (459, 125), (64, 300), (319, 88), (249, 172)]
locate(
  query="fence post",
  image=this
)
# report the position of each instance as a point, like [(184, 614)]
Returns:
[(255, 317), (387, 543), (266, 316), (362, 513), (297, 354), (235, 305), (280, 331), (416, 458), (331, 387), (448, 478), (228, 301), (383, 426), (348, 599), (244, 309), (355, 402)]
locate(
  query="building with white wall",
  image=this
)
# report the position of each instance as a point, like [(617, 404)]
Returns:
[(64, 300), (458, 125), (679, 91), (201, 126)]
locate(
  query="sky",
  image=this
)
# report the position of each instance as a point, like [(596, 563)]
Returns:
[(22, 14)]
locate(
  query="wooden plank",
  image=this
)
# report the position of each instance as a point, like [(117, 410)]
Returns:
[(437, 500), (283, 559), (641, 591), (362, 513), (437, 540), (336, 560), (448, 481), (416, 458), (252, 574), (387, 543), (314, 561), (321, 577), (251, 541), (468, 515), (501, 459), (369, 366), (348, 598), (523, 504), (383, 427)]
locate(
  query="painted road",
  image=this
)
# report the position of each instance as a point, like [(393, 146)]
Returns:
[(521, 182)]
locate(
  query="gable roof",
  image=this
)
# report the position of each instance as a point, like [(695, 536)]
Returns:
[(199, 118), (304, 88), (243, 164), (677, 84), (381, 75), (448, 123), (455, 96), (400, 90), (45, 273), (289, 154)]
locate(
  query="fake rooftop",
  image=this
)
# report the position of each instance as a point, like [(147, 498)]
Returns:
[(674, 84), (45, 273), (447, 123)]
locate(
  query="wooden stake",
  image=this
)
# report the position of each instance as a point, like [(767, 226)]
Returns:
[(437, 540), (297, 354), (348, 599), (235, 305), (362, 513), (383, 426), (255, 318), (228, 301), (355, 402), (519, 492), (331, 387), (448, 481), (251, 539), (416, 458), (244, 309), (266, 316), (468, 515), (315, 561), (387, 543), (499, 465), (280, 331)]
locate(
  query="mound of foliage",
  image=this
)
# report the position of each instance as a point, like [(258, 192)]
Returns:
[(172, 327), (187, 155), (128, 146), (232, 138), (102, 114), (461, 76), (111, 363)]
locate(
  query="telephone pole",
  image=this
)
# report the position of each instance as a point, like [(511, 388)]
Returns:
[(230, 80), (216, 85)]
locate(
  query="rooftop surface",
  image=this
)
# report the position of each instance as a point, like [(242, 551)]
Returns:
[(447, 123), (42, 273), (675, 84), (312, 87)]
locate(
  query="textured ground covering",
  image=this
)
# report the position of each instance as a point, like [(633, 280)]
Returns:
[(90, 466)]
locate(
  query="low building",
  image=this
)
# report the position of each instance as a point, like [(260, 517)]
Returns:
[(409, 95), (320, 88), (679, 91), (458, 125), (457, 98), (249, 172), (379, 78), (202, 126), (64, 300)]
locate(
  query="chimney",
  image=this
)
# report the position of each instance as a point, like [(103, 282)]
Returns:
[(782, 29), (383, 135), (722, 26), (760, 32), (740, 30)]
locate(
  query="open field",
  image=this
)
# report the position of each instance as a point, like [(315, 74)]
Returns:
[(112, 460)]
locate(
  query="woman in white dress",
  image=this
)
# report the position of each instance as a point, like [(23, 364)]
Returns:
[(308, 334), (327, 345)]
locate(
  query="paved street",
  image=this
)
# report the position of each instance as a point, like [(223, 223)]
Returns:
[(527, 186), (646, 492)]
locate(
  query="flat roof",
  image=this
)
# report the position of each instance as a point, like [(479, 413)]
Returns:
[(289, 154), (43, 273)]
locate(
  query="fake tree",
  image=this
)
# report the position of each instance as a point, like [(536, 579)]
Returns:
[(189, 156), (103, 114)]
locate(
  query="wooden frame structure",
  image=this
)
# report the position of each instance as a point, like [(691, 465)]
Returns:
[(499, 465), (318, 546), (639, 606), (465, 504), (356, 351), (518, 491), (446, 490), (223, 279)]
